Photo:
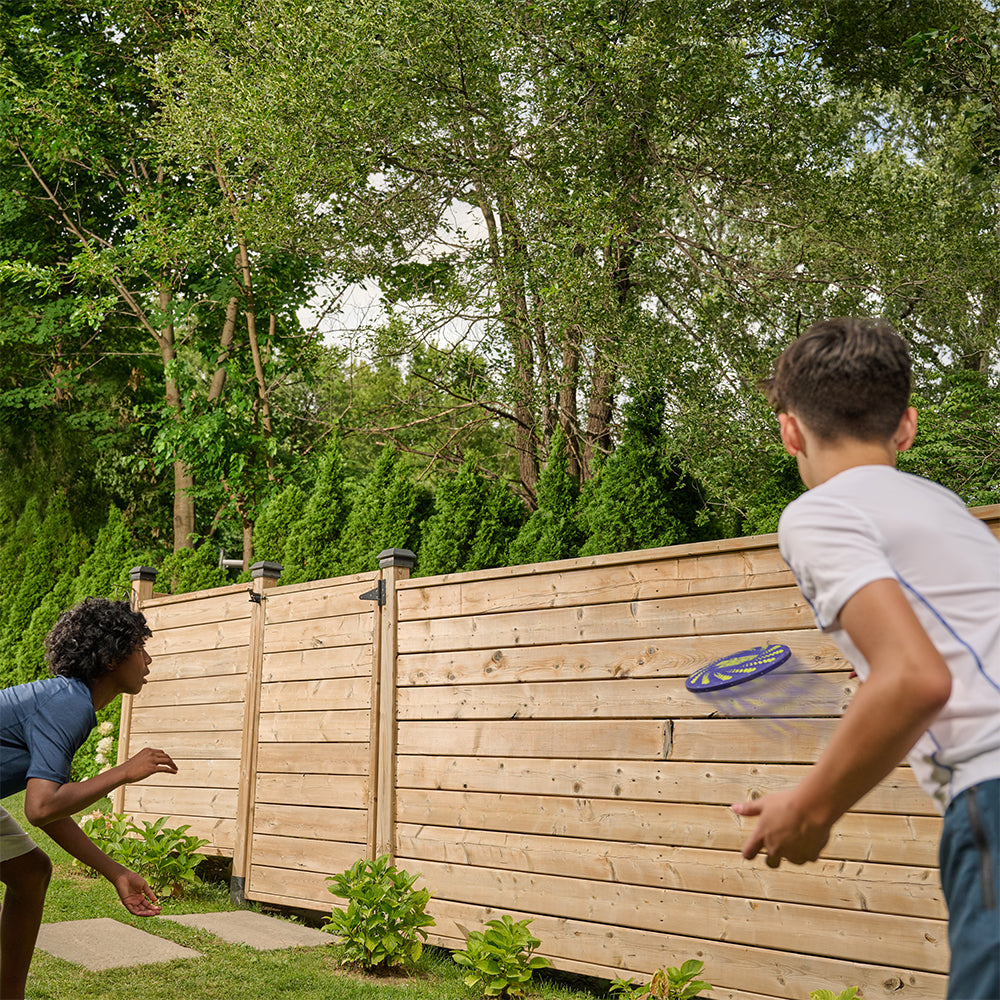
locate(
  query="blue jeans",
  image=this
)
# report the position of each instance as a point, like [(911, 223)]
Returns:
[(970, 877)]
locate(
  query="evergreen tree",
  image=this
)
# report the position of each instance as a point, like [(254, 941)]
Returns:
[(780, 487), (276, 523), (552, 531), (42, 563), (641, 498), (385, 514), (313, 546), (187, 570), (105, 572), (472, 526)]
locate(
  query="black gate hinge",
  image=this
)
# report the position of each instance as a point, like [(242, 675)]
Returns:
[(255, 598), (377, 593)]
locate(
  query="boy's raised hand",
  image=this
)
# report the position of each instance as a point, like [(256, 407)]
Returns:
[(146, 762), (136, 895)]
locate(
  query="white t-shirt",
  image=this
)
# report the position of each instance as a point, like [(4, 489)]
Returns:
[(873, 522)]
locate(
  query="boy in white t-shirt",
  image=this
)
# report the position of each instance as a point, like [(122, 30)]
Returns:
[(907, 582)]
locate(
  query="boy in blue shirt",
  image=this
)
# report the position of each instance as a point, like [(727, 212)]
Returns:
[(96, 652), (907, 582)]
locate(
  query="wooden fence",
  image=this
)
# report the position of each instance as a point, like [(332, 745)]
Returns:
[(523, 738)]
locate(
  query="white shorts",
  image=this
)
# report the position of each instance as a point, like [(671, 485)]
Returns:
[(13, 840)]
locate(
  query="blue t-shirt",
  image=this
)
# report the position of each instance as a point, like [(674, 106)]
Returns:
[(42, 725)]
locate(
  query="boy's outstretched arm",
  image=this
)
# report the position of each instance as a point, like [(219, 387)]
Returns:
[(908, 685), (47, 801), (133, 890)]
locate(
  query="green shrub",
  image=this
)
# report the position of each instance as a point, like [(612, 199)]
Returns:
[(275, 523), (166, 857), (188, 570), (666, 984), (385, 917), (500, 960), (849, 994)]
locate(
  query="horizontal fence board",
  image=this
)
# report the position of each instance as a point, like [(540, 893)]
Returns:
[(714, 573), (351, 726), (778, 694), (314, 758), (341, 596), (205, 638), (318, 695), (191, 745), (750, 611), (864, 937), (225, 607), (906, 840), (290, 887), (667, 781), (214, 802), (350, 790), (226, 688), (196, 773), (179, 718), (220, 832), (313, 664), (752, 741), (169, 664), (324, 857), (643, 739), (349, 630), (311, 822), (726, 965), (644, 657), (878, 888)]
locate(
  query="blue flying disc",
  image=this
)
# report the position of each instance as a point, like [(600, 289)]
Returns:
[(737, 668)]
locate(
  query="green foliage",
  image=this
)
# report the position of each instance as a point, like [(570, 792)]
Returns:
[(385, 917), (165, 856), (275, 524), (385, 513), (472, 525), (641, 497), (105, 571), (666, 984), (500, 960), (780, 486), (188, 570), (849, 994), (553, 530), (312, 551)]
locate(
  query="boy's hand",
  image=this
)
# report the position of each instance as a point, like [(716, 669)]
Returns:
[(784, 831), (146, 762), (135, 894)]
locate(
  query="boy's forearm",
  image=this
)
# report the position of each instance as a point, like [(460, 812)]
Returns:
[(74, 841), (62, 801)]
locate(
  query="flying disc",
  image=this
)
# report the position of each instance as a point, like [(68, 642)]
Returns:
[(737, 668)]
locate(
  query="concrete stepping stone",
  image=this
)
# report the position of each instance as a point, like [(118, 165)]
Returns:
[(103, 943), (254, 929)]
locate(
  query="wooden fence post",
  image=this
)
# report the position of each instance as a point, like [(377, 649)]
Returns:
[(265, 576), (395, 565), (142, 578)]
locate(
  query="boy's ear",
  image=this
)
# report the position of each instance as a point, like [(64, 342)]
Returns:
[(791, 434), (907, 430)]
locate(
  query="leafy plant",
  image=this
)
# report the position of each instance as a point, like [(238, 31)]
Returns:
[(499, 959), (666, 984), (165, 856), (385, 916), (849, 994)]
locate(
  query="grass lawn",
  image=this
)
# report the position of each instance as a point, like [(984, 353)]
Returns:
[(225, 971)]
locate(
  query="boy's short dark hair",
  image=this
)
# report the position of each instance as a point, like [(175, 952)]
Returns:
[(94, 636), (844, 377)]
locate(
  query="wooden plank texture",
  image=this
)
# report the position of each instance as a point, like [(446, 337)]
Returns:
[(315, 727), (350, 630), (318, 695), (349, 790), (313, 758), (864, 937), (778, 694), (906, 840), (750, 611), (324, 857), (164, 800), (643, 657), (879, 888), (211, 690), (669, 781), (312, 664), (310, 822), (181, 718), (169, 663), (645, 739)]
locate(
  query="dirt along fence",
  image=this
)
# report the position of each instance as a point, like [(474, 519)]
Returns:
[(524, 739)]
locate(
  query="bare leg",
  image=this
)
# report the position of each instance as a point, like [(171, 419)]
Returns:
[(27, 879)]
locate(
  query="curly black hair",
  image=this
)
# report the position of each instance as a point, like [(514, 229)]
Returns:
[(94, 636)]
